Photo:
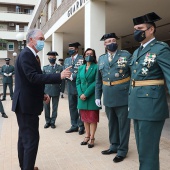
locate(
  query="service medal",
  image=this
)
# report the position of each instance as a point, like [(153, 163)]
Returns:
[(120, 71), (116, 74)]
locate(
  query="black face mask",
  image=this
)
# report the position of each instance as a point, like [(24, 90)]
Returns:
[(89, 58), (52, 60), (112, 47), (139, 35), (7, 63)]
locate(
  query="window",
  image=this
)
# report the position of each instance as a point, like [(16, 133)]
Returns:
[(58, 3), (10, 46), (49, 10), (28, 11), (18, 9)]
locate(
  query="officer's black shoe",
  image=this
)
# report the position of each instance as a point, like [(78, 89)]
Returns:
[(71, 130), (3, 99), (118, 159), (81, 132), (62, 96), (108, 152), (4, 115), (53, 126), (47, 125)]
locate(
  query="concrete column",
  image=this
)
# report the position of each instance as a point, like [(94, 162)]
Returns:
[(57, 44), (95, 26), (46, 49)]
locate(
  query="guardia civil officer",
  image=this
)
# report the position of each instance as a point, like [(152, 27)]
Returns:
[(113, 81), (7, 71), (75, 60), (147, 95), (61, 62), (53, 90)]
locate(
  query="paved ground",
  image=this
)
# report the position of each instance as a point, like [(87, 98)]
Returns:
[(61, 151)]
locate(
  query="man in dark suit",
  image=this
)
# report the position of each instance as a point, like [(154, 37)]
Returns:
[(75, 60), (29, 96), (7, 72)]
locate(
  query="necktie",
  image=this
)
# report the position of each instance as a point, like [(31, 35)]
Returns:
[(110, 58), (38, 59), (140, 49)]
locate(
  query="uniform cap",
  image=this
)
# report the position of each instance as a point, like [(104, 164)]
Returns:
[(110, 35), (147, 18), (7, 59), (60, 59), (53, 53), (76, 44)]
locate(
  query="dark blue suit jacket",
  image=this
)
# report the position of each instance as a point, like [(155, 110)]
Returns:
[(29, 84)]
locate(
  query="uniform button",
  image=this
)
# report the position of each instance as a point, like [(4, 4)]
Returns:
[(108, 73), (108, 78), (134, 71), (136, 63), (147, 94)]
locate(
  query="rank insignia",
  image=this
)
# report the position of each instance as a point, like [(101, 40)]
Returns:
[(116, 74), (144, 71), (120, 71), (122, 62)]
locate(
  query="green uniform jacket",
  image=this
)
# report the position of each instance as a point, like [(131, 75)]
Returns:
[(52, 89), (71, 85), (117, 69), (86, 85), (149, 102), (7, 69)]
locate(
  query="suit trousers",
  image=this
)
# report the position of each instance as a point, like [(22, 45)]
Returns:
[(52, 119), (10, 85), (28, 139), (119, 129), (148, 135), (1, 107), (74, 113)]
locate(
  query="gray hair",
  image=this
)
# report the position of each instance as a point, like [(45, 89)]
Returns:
[(31, 34)]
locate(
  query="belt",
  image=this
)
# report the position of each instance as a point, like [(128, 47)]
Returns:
[(147, 83), (112, 83)]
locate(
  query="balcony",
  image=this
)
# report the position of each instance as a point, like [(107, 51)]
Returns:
[(21, 2), (11, 34), (11, 16)]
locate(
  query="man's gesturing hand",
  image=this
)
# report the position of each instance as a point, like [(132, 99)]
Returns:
[(66, 73)]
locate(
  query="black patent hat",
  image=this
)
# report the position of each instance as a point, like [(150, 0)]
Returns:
[(53, 53), (110, 35), (75, 44)]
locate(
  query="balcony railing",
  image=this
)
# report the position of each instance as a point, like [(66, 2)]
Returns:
[(12, 30), (14, 12)]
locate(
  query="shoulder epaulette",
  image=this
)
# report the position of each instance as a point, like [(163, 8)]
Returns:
[(125, 51), (46, 65), (102, 55), (162, 43)]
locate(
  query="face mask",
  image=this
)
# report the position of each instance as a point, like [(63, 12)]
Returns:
[(89, 58), (52, 60), (112, 47), (139, 35), (7, 63), (40, 45), (71, 52)]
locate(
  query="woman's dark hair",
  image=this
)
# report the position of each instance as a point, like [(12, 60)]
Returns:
[(94, 55)]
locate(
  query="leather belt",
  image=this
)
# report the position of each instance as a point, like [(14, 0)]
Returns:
[(112, 83), (147, 83)]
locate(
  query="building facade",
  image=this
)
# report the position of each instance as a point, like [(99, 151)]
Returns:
[(14, 19), (85, 21)]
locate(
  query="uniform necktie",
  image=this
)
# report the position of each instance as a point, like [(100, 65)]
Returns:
[(110, 58), (140, 49), (38, 59)]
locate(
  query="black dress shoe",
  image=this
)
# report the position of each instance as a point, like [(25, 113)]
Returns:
[(53, 126), (81, 132), (4, 115), (71, 130), (85, 141), (62, 96), (118, 159), (47, 125), (3, 99), (91, 145), (108, 152)]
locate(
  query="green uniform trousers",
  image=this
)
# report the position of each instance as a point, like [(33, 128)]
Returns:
[(148, 135), (10, 85), (52, 119), (119, 129), (74, 114)]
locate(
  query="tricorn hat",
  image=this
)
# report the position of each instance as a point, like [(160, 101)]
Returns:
[(7, 59), (110, 35), (76, 44), (147, 18), (53, 53), (60, 59)]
